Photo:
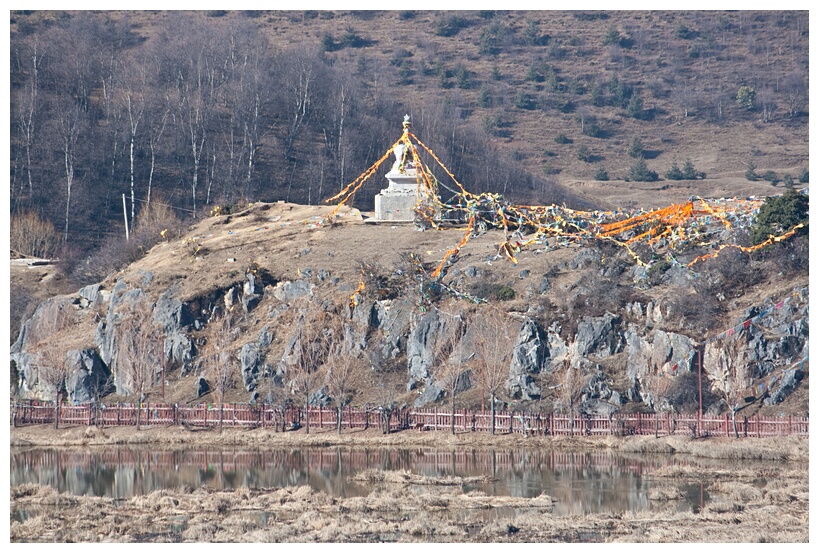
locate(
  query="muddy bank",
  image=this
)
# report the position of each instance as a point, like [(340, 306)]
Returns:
[(772, 449), (761, 509)]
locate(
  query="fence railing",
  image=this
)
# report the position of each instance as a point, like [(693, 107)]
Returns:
[(240, 415)]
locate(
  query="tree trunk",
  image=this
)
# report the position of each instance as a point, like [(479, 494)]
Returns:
[(306, 417), (734, 421), (656, 424), (338, 420), (221, 411), (57, 411), (139, 411), (492, 409), (452, 417)]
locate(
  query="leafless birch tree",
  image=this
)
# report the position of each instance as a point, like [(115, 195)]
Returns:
[(222, 363), (138, 350), (53, 368), (494, 339)]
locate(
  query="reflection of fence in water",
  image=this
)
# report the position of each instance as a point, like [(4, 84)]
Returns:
[(459, 462)]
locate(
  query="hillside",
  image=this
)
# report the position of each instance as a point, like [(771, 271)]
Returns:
[(229, 257), (274, 264)]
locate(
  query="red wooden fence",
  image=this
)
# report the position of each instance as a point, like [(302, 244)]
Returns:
[(240, 415)]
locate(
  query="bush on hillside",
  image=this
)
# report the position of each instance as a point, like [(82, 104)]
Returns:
[(31, 235), (639, 172), (779, 214)]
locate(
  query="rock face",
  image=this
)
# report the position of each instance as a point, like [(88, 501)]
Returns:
[(393, 331), (89, 376), (528, 357), (421, 344), (598, 336), (249, 360)]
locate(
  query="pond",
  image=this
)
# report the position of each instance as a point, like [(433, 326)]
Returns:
[(582, 482)]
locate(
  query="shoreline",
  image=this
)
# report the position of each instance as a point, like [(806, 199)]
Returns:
[(785, 448)]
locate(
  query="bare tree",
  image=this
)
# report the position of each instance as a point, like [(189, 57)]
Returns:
[(345, 372), (222, 366), (733, 373), (449, 364), (570, 390), (28, 102), (315, 334), (139, 350), (53, 368), (494, 338), (659, 380)]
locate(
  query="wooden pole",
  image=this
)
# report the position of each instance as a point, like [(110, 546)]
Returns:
[(125, 214)]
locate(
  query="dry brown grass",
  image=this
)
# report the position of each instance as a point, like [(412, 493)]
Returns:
[(739, 512)]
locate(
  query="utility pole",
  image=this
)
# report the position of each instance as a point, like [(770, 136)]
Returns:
[(699, 385), (125, 214)]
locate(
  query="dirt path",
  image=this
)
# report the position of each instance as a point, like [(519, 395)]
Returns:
[(774, 449)]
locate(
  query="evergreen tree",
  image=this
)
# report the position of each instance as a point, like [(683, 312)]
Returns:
[(780, 214), (674, 173), (639, 172)]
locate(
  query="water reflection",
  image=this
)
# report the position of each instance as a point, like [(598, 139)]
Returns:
[(582, 482)]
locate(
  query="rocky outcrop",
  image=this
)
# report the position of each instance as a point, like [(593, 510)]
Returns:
[(528, 356), (89, 377), (598, 336)]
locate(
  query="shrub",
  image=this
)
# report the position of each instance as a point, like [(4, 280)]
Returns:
[(779, 214), (689, 173), (684, 32), (484, 97), (583, 153), (563, 139), (601, 174), (804, 176), (463, 77), (328, 43), (635, 149), (635, 106), (32, 235), (788, 180), (450, 25), (522, 100), (746, 96), (639, 172), (493, 290), (750, 172), (612, 37), (567, 107), (674, 173), (771, 177)]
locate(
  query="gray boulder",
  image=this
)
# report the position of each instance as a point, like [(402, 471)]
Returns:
[(202, 387), (252, 293), (528, 357), (421, 344), (431, 394), (250, 359), (288, 291), (89, 378), (599, 336), (785, 385)]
